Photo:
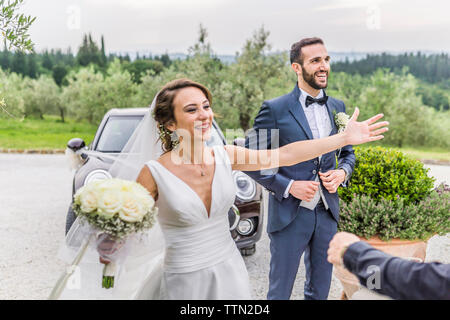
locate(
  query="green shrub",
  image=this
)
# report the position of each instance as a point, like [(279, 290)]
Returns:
[(381, 173), (388, 219)]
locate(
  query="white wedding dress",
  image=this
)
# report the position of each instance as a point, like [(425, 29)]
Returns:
[(200, 260)]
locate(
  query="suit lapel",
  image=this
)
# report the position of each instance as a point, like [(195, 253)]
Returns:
[(296, 110), (332, 107)]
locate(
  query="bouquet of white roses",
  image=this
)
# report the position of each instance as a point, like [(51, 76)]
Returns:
[(115, 209)]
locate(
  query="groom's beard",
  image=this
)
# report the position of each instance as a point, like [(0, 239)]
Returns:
[(310, 79)]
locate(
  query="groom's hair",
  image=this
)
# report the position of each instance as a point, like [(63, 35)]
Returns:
[(296, 48)]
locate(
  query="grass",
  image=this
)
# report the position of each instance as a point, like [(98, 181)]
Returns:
[(421, 153), (49, 133)]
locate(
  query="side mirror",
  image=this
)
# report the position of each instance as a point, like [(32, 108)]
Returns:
[(76, 144), (239, 142), (75, 160)]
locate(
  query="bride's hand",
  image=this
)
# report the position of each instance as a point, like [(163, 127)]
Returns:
[(365, 131), (107, 247)]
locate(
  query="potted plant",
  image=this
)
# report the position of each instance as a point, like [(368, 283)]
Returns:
[(391, 203)]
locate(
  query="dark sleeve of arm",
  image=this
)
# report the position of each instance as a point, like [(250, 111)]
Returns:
[(398, 278), (346, 161), (262, 137)]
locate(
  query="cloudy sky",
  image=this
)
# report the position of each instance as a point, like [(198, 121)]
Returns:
[(172, 25)]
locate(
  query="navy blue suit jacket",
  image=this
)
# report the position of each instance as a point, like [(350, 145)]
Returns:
[(399, 278), (286, 114)]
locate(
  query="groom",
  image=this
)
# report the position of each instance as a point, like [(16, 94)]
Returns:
[(303, 200)]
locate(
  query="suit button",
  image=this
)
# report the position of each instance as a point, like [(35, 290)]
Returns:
[(316, 162), (314, 171)]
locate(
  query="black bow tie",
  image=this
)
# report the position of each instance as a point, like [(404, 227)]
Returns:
[(310, 100)]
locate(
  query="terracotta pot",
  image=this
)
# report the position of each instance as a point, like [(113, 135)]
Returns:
[(401, 248)]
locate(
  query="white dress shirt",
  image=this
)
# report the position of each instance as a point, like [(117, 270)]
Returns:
[(320, 124)]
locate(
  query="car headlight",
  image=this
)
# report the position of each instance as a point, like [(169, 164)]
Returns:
[(245, 227), (246, 187), (98, 174), (233, 217)]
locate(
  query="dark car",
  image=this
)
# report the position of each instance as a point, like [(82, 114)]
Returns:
[(246, 216)]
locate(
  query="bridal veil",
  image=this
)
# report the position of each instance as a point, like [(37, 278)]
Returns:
[(142, 257)]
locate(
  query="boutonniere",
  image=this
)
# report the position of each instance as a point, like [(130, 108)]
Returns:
[(341, 120)]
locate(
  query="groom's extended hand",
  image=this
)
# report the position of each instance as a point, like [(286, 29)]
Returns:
[(304, 190), (332, 179)]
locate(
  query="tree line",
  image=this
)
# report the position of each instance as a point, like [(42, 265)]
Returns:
[(432, 69), (58, 63), (238, 89)]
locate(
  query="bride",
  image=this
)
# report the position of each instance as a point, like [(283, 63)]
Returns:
[(193, 188)]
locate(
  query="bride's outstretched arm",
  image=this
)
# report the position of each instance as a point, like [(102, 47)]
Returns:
[(356, 133)]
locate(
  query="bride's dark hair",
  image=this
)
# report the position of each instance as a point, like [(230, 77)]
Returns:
[(164, 108)]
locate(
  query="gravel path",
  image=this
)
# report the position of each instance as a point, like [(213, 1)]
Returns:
[(34, 198), (36, 192)]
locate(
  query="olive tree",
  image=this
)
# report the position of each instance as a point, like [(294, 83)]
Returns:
[(395, 97), (248, 81), (89, 94), (201, 65), (14, 26), (12, 87)]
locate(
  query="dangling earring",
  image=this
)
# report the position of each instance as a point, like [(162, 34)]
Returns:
[(175, 139)]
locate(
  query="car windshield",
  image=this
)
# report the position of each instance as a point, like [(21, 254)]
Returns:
[(117, 131)]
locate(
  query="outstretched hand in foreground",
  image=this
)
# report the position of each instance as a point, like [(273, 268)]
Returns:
[(365, 131)]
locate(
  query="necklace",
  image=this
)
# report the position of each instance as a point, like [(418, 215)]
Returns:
[(202, 169), (202, 172)]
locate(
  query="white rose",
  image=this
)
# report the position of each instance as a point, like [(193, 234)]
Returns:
[(107, 184), (77, 196), (143, 196), (88, 200), (146, 201), (109, 203), (127, 186), (137, 187), (132, 209), (120, 185)]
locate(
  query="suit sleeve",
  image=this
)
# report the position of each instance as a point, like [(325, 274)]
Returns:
[(346, 160), (399, 278), (262, 137)]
